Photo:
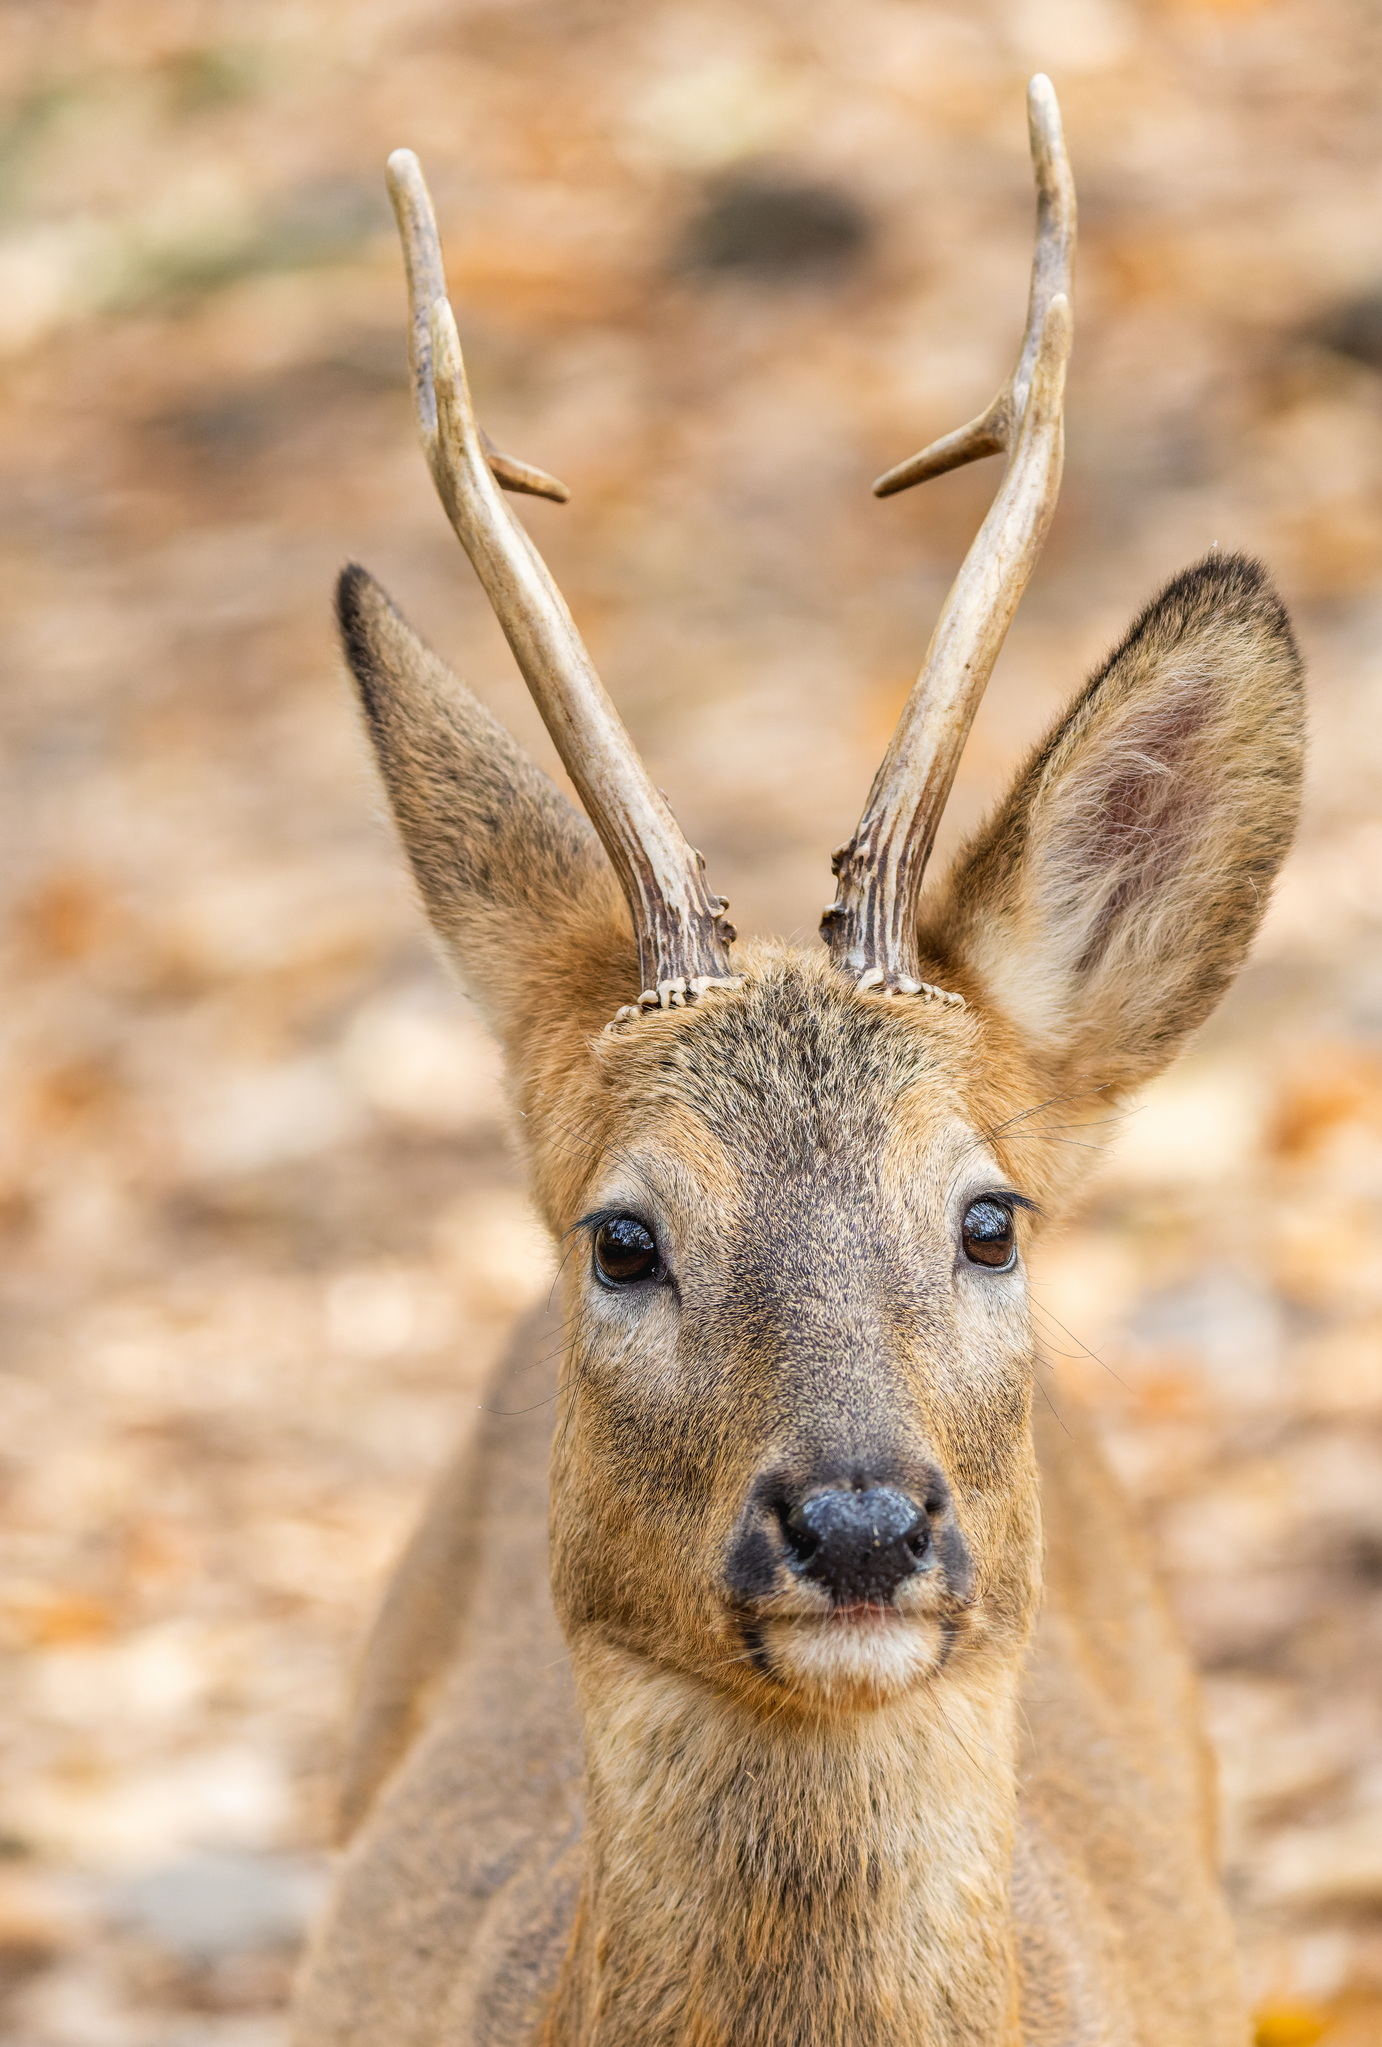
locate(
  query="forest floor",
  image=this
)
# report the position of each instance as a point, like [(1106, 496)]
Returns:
[(718, 263)]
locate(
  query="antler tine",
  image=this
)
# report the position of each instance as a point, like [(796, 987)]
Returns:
[(417, 227), (1052, 261), (682, 934), (871, 926)]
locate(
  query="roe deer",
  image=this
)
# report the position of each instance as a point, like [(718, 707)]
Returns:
[(832, 1702)]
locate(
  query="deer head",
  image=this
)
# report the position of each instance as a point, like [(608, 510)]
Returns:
[(796, 1188)]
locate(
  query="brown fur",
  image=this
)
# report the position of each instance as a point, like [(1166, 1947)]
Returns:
[(669, 1803)]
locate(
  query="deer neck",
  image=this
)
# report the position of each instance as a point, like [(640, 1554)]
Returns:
[(824, 1882)]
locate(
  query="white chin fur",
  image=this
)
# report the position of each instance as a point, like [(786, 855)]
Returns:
[(857, 1659)]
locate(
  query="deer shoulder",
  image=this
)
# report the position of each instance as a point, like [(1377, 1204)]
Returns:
[(789, 1677)]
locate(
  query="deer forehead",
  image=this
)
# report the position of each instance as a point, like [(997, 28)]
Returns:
[(794, 1095)]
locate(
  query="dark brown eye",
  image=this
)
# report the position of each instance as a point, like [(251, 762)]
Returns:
[(625, 1250), (987, 1234)]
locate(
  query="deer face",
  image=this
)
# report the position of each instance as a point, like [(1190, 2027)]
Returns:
[(793, 1450), (792, 1456)]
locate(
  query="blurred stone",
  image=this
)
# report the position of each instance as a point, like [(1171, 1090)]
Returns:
[(1354, 329), (1313, 1868), (773, 228), (210, 1905)]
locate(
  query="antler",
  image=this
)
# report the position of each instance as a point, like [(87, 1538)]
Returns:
[(683, 936), (871, 926)]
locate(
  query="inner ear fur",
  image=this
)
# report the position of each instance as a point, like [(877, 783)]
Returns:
[(514, 881), (1110, 900)]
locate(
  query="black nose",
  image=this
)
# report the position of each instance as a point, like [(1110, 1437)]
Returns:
[(858, 1545)]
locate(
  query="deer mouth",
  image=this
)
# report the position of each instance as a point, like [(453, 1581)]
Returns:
[(859, 1655)]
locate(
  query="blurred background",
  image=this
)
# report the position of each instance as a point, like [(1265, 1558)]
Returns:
[(717, 263)]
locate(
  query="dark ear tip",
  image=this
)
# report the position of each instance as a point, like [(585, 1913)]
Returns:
[(1221, 589), (1229, 568), (1237, 583), (348, 584), (355, 588), (363, 613)]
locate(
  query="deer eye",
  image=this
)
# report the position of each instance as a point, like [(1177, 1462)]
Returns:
[(625, 1251), (987, 1234)]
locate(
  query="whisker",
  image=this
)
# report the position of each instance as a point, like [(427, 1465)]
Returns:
[(509, 1414), (534, 1364), (1051, 1101), (1054, 1409), (1040, 1308), (551, 1291)]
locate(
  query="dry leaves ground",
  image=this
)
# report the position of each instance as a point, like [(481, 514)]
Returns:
[(718, 263)]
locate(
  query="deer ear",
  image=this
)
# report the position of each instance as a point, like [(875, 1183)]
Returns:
[(515, 882), (1107, 905)]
